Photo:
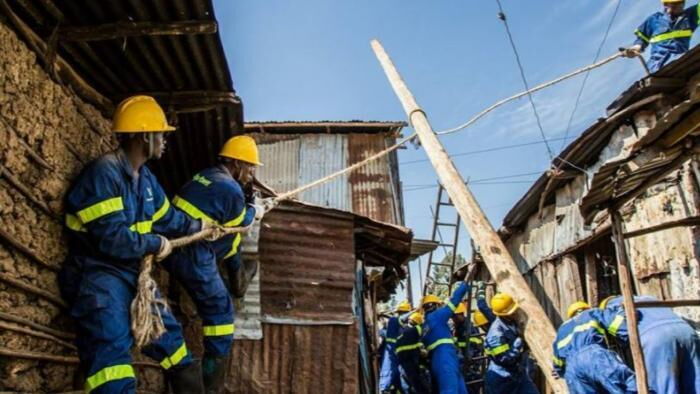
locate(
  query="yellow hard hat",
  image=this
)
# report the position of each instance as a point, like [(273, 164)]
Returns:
[(672, 1), (575, 307), (140, 114), (603, 304), (416, 318), (243, 148), (503, 304), (431, 299), (404, 306), (461, 308), (479, 319)]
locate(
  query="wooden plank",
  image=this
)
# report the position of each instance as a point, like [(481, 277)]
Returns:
[(625, 276), (111, 31), (591, 276), (569, 281), (538, 330)]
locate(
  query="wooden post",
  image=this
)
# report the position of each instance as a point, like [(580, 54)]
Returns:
[(538, 330), (591, 276), (624, 273)]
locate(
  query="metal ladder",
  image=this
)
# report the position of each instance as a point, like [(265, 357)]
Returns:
[(437, 237)]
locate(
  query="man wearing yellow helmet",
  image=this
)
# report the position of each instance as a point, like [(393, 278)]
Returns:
[(668, 32), (506, 372), (670, 345), (115, 214), (414, 379), (215, 195), (582, 357), (389, 378)]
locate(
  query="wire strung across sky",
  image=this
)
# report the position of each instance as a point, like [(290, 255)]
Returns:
[(588, 73)]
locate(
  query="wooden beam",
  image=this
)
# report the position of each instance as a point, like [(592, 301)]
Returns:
[(685, 222), (666, 303), (538, 330), (193, 100), (625, 276), (112, 31), (63, 69), (591, 276)]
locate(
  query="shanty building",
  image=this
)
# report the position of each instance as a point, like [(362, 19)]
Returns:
[(308, 321), (639, 161)]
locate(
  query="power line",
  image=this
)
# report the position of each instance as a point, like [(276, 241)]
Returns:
[(588, 73), (425, 187), (502, 16), (486, 150), (472, 181)]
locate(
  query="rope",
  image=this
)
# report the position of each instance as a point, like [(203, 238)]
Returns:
[(533, 90)]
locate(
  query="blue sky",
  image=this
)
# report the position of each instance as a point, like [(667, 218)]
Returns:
[(311, 60)]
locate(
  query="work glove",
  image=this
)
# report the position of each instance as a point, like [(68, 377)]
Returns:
[(555, 374), (633, 51), (165, 249), (216, 234), (518, 345)]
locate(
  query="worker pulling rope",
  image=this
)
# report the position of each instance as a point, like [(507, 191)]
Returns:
[(147, 323)]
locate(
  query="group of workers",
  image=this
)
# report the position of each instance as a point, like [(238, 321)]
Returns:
[(117, 214), (432, 349)]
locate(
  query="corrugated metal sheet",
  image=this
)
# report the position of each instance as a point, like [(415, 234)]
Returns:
[(307, 258), (280, 157), (321, 155), (296, 359), (373, 191)]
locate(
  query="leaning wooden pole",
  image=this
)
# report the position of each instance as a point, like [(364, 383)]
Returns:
[(624, 273), (538, 330)]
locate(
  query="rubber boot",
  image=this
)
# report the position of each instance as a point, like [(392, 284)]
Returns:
[(187, 379), (214, 372)]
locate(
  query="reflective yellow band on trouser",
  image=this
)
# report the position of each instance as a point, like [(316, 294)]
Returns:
[(671, 35), (108, 374), (175, 358), (580, 328), (558, 362), (100, 209), (444, 341), (215, 331), (498, 350), (406, 348), (234, 246), (615, 325)]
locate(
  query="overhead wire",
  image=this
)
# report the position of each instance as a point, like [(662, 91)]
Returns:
[(588, 73)]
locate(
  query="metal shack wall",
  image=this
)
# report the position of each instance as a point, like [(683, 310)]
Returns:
[(310, 338)]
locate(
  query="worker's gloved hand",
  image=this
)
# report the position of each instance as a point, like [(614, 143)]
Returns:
[(633, 51), (217, 232), (518, 345), (269, 204), (165, 249), (555, 374)]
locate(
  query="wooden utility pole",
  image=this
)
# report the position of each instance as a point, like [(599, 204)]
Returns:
[(539, 332), (623, 271)]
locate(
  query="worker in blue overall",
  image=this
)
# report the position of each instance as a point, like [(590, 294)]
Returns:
[(668, 32), (437, 338), (582, 357), (408, 352), (389, 378), (483, 306), (506, 373), (215, 195), (116, 214), (670, 345)]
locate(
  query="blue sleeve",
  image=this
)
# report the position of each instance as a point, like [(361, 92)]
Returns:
[(444, 313), (644, 33), (96, 200), (170, 221), (501, 350), (558, 363), (614, 321), (484, 308)]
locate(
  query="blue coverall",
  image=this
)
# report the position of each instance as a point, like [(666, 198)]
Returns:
[(112, 218), (475, 349), (670, 345), (437, 338), (389, 379), (669, 38), (582, 357), (214, 196), (484, 308), (506, 372), (408, 347)]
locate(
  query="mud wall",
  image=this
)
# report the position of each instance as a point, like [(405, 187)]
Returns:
[(47, 134)]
